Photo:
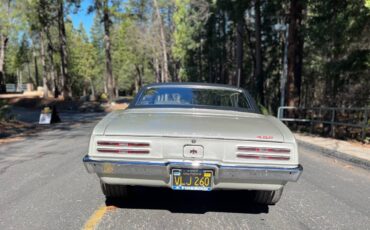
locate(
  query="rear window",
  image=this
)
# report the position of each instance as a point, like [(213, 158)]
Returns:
[(193, 97)]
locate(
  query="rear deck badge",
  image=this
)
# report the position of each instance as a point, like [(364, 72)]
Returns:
[(193, 151)]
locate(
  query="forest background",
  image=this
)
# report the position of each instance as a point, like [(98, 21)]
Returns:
[(323, 45)]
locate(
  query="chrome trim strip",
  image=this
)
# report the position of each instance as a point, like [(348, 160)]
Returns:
[(293, 173), (87, 159), (299, 168), (198, 137)]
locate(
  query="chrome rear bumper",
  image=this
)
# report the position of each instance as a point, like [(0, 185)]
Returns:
[(160, 171)]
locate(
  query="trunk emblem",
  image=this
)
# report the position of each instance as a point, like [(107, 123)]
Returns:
[(193, 141), (193, 151)]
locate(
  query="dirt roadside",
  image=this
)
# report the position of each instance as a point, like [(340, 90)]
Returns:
[(24, 112)]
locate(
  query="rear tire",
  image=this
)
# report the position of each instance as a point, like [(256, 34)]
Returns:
[(268, 197), (113, 190)]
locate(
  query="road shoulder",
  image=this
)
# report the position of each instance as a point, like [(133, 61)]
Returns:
[(354, 153)]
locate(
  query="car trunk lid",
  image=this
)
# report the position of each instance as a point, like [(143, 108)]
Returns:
[(195, 124)]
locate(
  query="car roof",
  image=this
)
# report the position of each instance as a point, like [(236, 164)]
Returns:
[(193, 84)]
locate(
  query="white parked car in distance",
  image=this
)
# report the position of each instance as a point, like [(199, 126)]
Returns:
[(191, 136)]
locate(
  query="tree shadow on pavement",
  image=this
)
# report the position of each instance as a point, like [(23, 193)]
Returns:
[(70, 121), (232, 201)]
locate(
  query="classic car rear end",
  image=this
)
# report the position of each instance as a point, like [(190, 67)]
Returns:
[(193, 137)]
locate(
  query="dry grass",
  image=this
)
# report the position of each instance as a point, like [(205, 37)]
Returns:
[(27, 94), (13, 130), (360, 144), (115, 106), (11, 139)]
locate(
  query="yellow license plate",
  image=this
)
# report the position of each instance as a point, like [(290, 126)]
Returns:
[(192, 179)]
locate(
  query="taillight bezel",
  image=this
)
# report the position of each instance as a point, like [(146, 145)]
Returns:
[(264, 153), (123, 144), (269, 150), (122, 147)]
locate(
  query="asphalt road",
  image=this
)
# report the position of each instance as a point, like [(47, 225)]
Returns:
[(43, 185)]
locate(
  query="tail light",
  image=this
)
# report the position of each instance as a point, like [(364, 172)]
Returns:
[(123, 147), (261, 153), (123, 144)]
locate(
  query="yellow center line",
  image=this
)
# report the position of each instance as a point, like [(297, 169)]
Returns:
[(96, 217)]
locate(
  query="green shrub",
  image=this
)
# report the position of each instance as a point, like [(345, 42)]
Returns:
[(103, 97), (263, 110)]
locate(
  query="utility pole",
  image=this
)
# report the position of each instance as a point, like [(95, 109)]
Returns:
[(284, 75)]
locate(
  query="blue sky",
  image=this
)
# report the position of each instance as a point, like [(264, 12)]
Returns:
[(82, 16)]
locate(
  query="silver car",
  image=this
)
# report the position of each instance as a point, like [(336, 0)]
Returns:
[(191, 136)]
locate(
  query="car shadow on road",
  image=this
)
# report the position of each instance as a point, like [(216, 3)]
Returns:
[(189, 201)]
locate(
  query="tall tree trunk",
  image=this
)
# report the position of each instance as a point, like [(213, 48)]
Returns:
[(108, 55), (105, 87), (115, 89), (30, 80), (224, 62), (165, 77), (20, 80), (17, 83), (142, 75), (157, 71), (36, 69), (239, 50), (175, 67), (92, 89), (84, 91), (43, 63), (66, 87), (230, 78), (299, 55), (52, 81), (299, 66), (52, 84), (253, 59), (85, 87), (294, 53), (3, 44), (258, 74), (200, 67), (137, 79)]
